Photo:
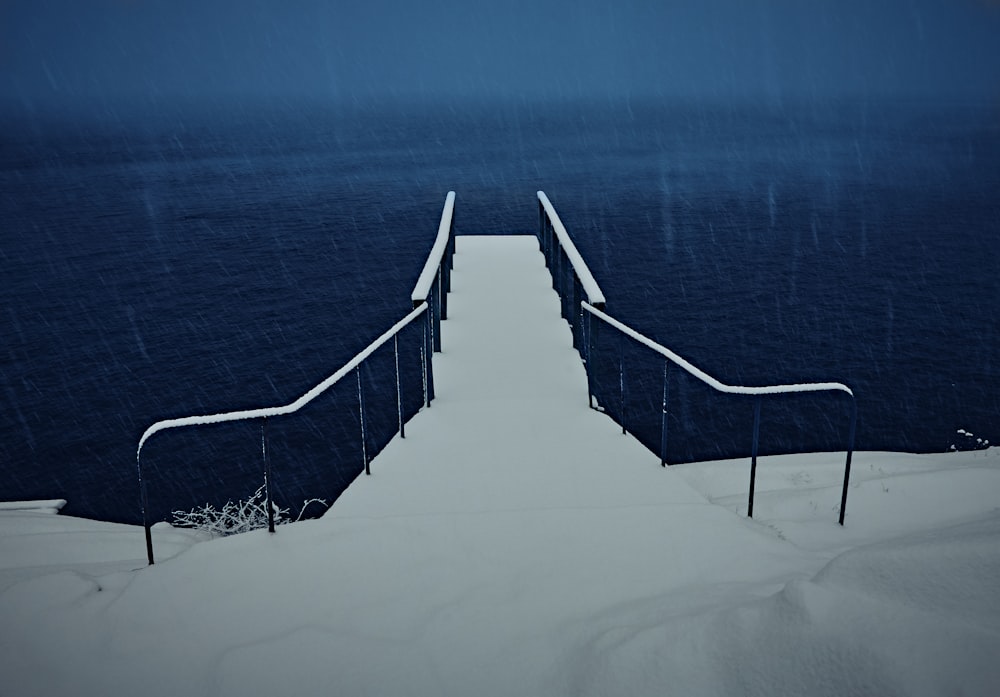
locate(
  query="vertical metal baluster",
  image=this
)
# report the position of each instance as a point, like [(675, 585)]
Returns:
[(429, 363), (850, 453), (663, 418), (436, 326), (753, 456), (548, 243), (361, 413), (557, 275), (564, 291), (144, 504), (442, 290), (267, 475), (451, 253), (541, 228), (621, 378), (589, 331), (577, 307), (595, 343), (399, 388), (423, 363)]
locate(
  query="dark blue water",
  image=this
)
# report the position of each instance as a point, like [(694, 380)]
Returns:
[(198, 260)]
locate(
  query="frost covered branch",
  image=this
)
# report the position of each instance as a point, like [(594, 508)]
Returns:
[(238, 517)]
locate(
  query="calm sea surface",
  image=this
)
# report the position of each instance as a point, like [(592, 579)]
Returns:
[(203, 260)]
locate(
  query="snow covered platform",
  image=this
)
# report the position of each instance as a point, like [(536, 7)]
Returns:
[(516, 543)]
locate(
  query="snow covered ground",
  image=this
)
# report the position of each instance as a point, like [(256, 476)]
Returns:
[(516, 543)]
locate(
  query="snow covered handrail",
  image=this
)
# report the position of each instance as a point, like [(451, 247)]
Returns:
[(353, 365), (705, 377), (594, 295), (445, 239), (571, 277), (434, 282), (291, 407), (757, 392)]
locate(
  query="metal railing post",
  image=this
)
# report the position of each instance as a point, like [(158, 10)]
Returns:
[(753, 454), (267, 475), (589, 329), (399, 387), (850, 453), (450, 255), (621, 379), (578, 305), (443, 290), (663, 417), (361, 413), (541, 227), (435, 301), (429, 363), (423, 363), (144, 505), (557, 268)]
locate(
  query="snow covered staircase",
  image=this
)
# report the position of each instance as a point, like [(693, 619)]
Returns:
[(511, 427)]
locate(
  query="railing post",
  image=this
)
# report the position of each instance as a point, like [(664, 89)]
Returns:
[(450, 255), (144, 504), (557, 267), (267, 475), (361, 413), (621, 377), (423, 362), (541, 227), (435, 308), (547, 236), (565, 270), (850, 453), (443, 290), (663, 418), (753, 456), (589, 330), (428, 361), (577, 313), (399, 387)]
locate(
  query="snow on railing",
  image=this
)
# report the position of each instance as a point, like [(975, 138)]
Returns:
[(571, 277), (718, 385), (434, 282), (291, 407), (705, 377), (429, 296), (581, 298), (548, 212), (354, 365)]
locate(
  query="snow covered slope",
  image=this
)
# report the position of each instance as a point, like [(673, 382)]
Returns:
[(516, 543)]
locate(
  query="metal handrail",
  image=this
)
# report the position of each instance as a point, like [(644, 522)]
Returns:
[(429, 295), (445, 239), (434, 282), (571, 277), (291, 407), (594, 295), (720, 386), (705, 377), (267, 412)]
